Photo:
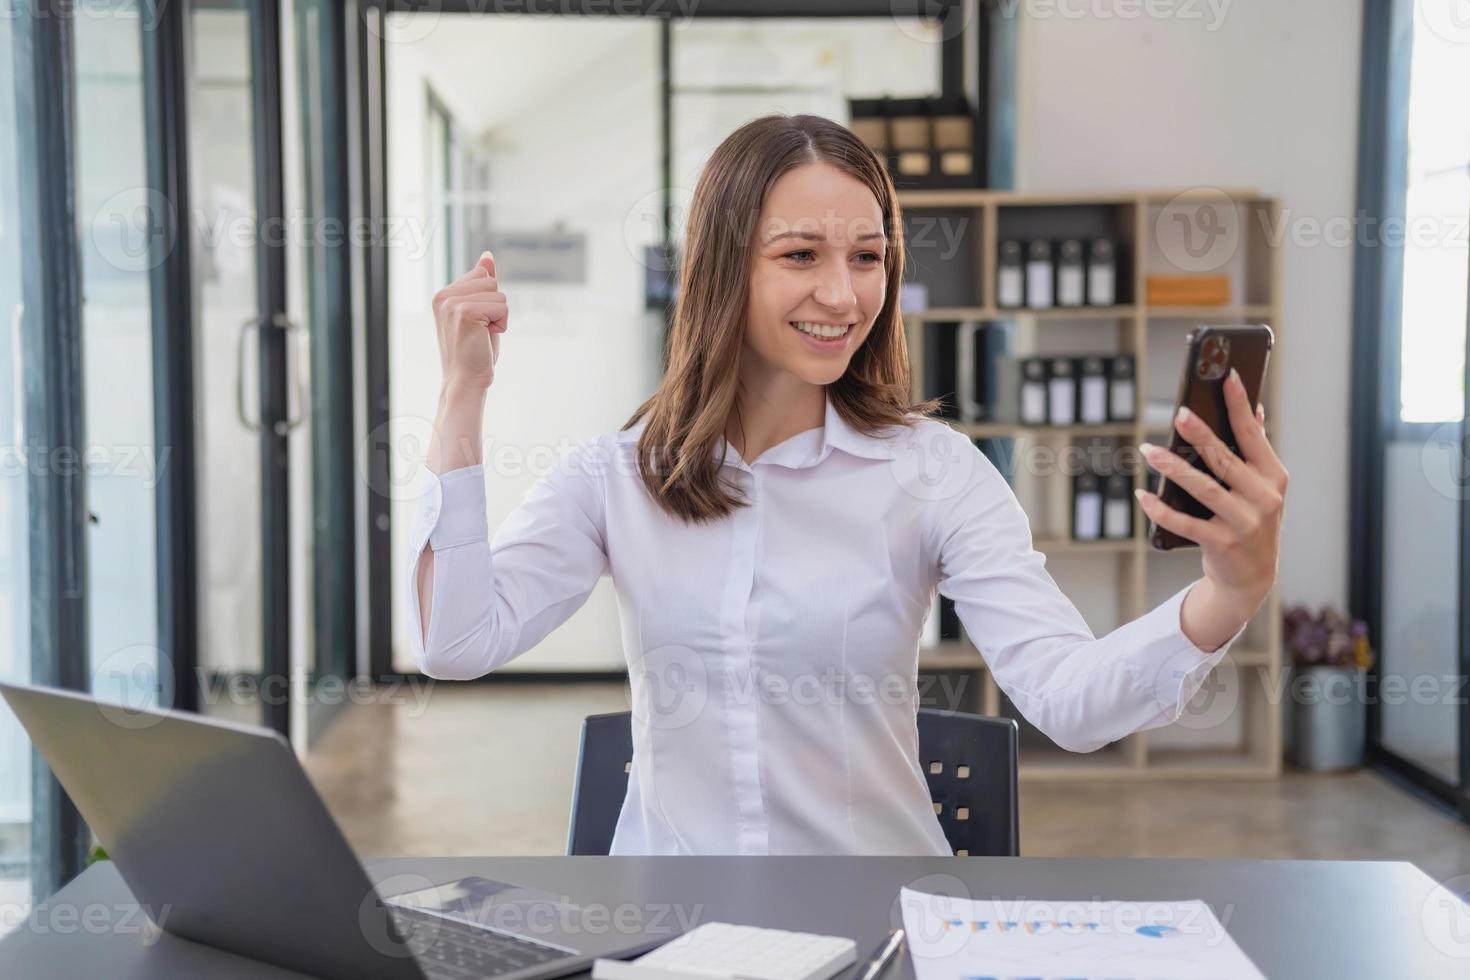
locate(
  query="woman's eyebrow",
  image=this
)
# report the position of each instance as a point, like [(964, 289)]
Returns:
[(812, 236)]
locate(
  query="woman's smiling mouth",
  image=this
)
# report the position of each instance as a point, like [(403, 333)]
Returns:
[(822, 336)]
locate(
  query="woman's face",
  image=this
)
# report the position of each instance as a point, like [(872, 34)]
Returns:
[(818, 262)]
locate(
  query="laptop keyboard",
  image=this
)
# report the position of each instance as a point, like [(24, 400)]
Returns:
[(460, 951)]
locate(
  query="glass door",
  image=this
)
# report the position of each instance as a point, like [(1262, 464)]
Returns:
[(232, 667), (321, 426), (1412, 582), (274, 366)]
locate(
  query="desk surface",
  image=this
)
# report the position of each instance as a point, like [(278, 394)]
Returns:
[(1293, 918)]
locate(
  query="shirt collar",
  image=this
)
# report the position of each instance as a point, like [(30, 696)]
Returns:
[(814, 445), (803, 449)]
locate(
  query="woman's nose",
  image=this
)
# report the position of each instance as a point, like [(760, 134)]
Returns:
[(835, 292)]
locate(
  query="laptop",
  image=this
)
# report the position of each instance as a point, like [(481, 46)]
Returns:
[(216, 823)]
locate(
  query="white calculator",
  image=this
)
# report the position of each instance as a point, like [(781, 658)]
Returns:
[(731, 952)]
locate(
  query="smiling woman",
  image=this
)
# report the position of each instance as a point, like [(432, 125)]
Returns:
[(789, 295), (777, 519)]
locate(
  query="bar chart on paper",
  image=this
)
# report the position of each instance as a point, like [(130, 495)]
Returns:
[(958, 938)]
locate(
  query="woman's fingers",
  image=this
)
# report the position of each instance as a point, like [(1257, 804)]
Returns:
[(1227, 467), (1249, 428), (474, 282), (1201, 532), (1201, 486), (479, 279), (492, 310)]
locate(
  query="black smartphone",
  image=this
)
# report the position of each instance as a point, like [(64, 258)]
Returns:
[(1212, 352)]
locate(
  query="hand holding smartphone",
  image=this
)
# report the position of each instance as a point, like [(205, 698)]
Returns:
[(1212, 352)]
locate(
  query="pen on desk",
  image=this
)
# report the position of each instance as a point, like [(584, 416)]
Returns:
[(882, 956)]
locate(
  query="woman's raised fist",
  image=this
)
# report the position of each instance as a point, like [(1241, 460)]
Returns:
[(470, 314)]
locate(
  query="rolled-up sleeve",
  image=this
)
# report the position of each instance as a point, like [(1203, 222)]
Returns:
[(492, 601), (1082, 691)]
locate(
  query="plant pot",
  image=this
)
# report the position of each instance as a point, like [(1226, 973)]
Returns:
[(1328, 718)]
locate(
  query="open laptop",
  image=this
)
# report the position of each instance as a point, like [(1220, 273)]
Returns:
[(217, 823)]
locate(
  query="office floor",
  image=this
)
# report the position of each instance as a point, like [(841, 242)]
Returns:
[(487, 769)]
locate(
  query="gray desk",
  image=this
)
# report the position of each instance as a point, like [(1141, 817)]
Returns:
[(1295, 919)]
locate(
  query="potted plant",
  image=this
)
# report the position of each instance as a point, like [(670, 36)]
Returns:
[(1329, 652)]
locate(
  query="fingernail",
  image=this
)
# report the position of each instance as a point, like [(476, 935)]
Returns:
[(1235, 376), (1148, 449), (1139, 493), (1184, 415)]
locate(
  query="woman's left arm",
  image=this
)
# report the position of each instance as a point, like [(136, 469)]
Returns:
[(1241, 544), (1082, 690)]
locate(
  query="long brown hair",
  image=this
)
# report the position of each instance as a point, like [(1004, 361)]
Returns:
[(689, 411)]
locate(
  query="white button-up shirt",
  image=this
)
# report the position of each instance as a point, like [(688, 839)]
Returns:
[(773, 655)]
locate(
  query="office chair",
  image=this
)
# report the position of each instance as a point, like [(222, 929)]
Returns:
[(970, 762)]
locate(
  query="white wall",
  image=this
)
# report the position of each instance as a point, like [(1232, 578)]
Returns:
[(1264, 95), (566, 147)]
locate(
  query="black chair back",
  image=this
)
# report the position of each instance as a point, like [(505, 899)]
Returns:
[(970, 762)]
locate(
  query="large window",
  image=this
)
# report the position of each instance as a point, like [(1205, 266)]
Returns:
[(1436, 206), (113, 241), (1411, 512)]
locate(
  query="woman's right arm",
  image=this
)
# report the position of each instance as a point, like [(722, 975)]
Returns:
[(469, 316), (475, 605)]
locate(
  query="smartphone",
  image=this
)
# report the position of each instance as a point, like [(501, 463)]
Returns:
[(1212, 352)]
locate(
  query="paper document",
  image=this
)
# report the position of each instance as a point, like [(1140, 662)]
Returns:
[(958, 938)]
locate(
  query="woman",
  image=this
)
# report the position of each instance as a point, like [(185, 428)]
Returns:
[(776, 520)]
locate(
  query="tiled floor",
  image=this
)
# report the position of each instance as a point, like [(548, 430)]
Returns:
[(487, 769)]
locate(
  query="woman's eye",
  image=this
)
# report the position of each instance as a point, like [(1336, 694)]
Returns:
[(805, 254)]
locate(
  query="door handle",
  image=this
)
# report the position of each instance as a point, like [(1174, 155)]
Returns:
[(18, 398), (247, 328), (292, 332), (294, 357)]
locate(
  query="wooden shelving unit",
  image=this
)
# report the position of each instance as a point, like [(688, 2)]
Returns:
[(1244, 741)]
